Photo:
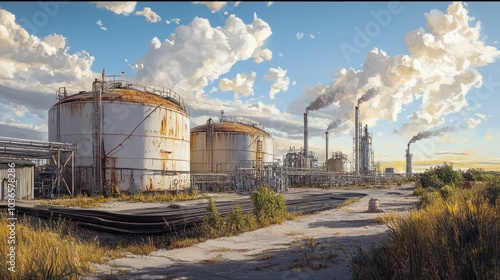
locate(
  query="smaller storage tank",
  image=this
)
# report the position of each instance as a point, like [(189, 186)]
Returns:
[(338, 163), (220, 147)]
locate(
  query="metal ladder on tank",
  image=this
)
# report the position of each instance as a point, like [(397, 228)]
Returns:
[(97, 88), (209, 144), (259, 158)]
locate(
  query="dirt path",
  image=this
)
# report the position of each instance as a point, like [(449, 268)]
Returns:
[(311, 247)]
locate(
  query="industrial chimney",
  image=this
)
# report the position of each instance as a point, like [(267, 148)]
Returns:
[(408, 162), (326, 137), (305, 134), (356, 140)]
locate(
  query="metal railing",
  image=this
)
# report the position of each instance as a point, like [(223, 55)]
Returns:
[(120, 81)]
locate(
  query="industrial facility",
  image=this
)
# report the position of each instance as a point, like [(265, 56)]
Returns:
[(131, 136)]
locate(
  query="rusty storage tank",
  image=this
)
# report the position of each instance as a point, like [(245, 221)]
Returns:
[(219, 147), (338, 163), (139, 132)]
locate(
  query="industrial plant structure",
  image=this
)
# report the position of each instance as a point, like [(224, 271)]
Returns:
[(130, 135)]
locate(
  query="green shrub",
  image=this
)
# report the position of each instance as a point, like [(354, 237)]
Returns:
[(440, 176), (473, 174), (268, 204)]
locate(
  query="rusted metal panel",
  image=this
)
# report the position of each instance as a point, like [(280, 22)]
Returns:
[(24, 184), (232, 127), (135, 138), (229, 148)]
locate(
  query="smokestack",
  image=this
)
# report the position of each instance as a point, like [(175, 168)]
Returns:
[(356, 140), (408, 162), (326, 137), (305, 134)]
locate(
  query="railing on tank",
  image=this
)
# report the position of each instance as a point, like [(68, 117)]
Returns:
[(245, 121), (120, 81)]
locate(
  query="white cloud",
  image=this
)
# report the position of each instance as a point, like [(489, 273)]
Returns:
[(149, 15), (174, 20), (488, 135), (294, 83), (225, 13), (483, 117), (31, 70), (236, 4), (214, 6), (241, 84), (279, 79), (280, 54), (269, 4), (214, 89), (439, 71), (495, 43), (299, 35), (312, 36), (135, 66), (119, 8), (202, 53), (99, 23)]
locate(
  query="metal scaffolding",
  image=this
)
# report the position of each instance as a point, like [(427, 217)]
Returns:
[(60, 155)]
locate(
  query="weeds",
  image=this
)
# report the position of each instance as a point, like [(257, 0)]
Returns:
[(454, 234)]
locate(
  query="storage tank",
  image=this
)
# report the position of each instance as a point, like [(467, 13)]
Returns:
[(339, 163), (139, 132), (219, 147)]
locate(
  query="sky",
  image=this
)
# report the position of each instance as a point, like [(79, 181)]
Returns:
[(421, 72)]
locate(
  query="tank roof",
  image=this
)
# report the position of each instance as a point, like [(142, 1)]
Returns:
[(232, 127), (123, 95)]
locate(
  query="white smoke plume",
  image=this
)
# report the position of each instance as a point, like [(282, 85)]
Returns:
[(440, 70)]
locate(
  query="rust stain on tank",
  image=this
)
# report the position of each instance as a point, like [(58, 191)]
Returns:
[(163, 125), (150, 187), (164, 155)]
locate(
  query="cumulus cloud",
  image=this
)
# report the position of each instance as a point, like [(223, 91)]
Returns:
[(214, 6), (299, 35), (236, 4), (280, 54), (241, 84), (102, 27), (119, 8), (149, 15), (202, 53), (269, 4), (439, 71), (294, 83), (174, 20), (279, 79), (312, 36), (31, 70)]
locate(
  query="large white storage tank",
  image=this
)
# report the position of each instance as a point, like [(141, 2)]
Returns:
[(219, 147), (143, 132)]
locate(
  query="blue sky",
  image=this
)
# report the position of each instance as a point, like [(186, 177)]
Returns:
[(268, 61)]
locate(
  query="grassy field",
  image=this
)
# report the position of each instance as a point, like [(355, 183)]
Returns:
[(454, 233)]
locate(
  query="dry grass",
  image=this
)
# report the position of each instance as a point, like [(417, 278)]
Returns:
[(388, 218), (78, 201), (50, 251), (150, 197), (453, 235)]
